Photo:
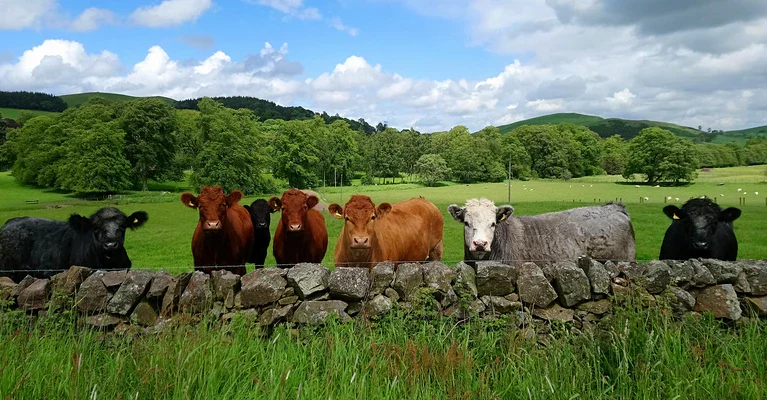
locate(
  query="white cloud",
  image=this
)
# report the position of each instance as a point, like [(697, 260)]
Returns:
[(336, 22), (622, 98), (170, 13), (293, 8), (92, 18), (25, 13), (652, 82)]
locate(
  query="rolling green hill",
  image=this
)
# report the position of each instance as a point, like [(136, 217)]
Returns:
[(74, 100), (605, 127)]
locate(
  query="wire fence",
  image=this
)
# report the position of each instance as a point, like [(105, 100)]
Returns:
[(368, 264)]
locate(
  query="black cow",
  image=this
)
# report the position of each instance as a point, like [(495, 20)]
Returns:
[(260, 214), (44, 247), (700, 229)]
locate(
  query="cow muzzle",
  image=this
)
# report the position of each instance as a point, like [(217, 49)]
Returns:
[(479, 246), (110, 246), (700, 245), (212, 226), (295, 227), (361, 242)]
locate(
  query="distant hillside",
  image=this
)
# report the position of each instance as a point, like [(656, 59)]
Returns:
[(74, 100), (608, 127), (265, 109)]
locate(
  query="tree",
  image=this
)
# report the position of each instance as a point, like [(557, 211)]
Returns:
[(383, 150), (336, 150), (232, 151), (553, 152), (514, 154), (432, 168), (659, 155), (94, 161), (295, 152), (150, 142), (589, 145), (614, 155), (34, 150), (188, 139)]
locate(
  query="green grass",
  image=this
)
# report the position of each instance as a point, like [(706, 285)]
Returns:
[(164, 242), (13, 113), (74, 100), (639, 355), (759, 130)]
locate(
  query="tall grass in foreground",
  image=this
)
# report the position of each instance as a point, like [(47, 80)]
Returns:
[(639, 354)]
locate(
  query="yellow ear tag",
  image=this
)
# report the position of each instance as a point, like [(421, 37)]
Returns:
[(676, 216), (135, 220), (191, 204), (338, 214), (504, 217)]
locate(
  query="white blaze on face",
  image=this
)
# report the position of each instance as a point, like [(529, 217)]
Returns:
[(479, 218)]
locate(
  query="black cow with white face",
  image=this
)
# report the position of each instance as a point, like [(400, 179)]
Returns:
[(261, 216), (700, 229), (43, 247)]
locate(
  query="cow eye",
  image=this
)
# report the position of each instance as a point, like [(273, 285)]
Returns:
[(373, 217), (492, 225)]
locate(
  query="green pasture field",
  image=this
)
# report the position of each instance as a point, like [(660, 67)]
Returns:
[(637, 354), (164, 242), (13, 113)]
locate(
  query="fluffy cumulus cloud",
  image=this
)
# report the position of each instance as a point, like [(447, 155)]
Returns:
[(38, 14), (170, 13), (664, 62)]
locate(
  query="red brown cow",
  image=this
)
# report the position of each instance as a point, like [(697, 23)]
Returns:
[(223, 238), (410, 230), (301, 235)]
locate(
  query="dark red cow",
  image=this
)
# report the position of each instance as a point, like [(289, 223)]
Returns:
[(223, 238), (301, 235)]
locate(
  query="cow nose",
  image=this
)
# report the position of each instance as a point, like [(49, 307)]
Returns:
[(110, 245), (262, 224), (296, 227), (480, 245), (213, 225), (361, 240), (701, 245)]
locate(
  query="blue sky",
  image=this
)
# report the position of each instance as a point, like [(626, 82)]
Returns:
[(424, 63)]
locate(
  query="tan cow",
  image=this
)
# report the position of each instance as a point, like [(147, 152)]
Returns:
[(410, 230)]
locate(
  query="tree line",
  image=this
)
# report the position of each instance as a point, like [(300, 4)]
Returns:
[(106, 146), (32, 101)]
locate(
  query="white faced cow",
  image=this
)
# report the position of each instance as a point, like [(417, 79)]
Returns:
[(492, 233)]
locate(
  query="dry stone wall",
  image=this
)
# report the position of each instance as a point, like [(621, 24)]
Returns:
[(579, 293)]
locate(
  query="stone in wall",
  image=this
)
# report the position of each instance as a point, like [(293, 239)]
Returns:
[(308, 279), (571, 283), (534, 289), (381, 277), (756, 276), (263, 286), (174, 291), (657, 277), (349, 283), (722, 271), (597, 274), (407, 280), (93, 296), (316, 312), (35, 295), (130, 292), (720, 300), (465, 281), (495, 279), (197, 296), (437, 277)]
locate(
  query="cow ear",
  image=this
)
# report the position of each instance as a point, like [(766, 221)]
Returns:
[(137, 219), (503, 212), (672, 212), (247, 208), (312, 201), (336, 211), (729, 214), (383, 209), (189, 200), (457, 212), (79, 223), (233, 197), (275, 204)]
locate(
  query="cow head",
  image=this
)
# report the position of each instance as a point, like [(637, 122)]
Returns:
[(700, 218), (360, 215), (479, 218), (294, 205), (260, 214), (107, 226), (212, 203)]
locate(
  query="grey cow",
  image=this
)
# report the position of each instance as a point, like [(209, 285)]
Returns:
[(492, 233)]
